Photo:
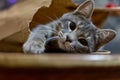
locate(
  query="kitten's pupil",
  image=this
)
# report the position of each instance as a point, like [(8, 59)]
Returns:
[(72, 25), (83, 42)]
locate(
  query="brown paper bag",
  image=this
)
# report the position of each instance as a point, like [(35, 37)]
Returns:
[(14, 24)]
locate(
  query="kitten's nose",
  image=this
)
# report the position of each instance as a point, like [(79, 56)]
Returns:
[(68, 39)]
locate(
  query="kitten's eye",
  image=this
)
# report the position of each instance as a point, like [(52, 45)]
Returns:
[(72, 25), (83, 42)]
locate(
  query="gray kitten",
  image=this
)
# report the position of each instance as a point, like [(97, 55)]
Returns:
[(73, 32)]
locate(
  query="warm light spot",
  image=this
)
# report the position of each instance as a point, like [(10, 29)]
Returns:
[(97, 57)]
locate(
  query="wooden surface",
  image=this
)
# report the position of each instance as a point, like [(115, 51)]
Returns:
[(21, 60), (59, 67), (60, 74)]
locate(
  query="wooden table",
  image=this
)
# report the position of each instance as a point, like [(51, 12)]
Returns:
[(18, 66)]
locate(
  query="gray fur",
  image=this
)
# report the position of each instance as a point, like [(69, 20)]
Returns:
[(82, 37)]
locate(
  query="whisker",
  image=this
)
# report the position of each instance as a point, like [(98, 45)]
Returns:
[(56, 17), (50, 18), (54, 31), (52, 38)]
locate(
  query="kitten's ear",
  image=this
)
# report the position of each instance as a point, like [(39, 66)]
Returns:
[(85, 9), (103, 36)]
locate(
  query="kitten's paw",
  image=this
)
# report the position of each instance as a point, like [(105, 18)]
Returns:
[(33, 47)]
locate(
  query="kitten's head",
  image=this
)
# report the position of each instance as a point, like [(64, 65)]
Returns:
[(78, 34)]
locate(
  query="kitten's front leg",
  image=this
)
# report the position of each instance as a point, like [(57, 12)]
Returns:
[(33, 47), (38, 38), (35, 44)]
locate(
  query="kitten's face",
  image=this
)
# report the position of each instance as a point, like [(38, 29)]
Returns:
[(78, 34)]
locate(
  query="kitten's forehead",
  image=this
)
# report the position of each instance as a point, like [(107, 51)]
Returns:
[(75, 18), (70, 16)]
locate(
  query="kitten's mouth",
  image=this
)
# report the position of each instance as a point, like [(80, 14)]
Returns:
[(76, 47)]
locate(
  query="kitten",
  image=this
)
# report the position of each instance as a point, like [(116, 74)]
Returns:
[(73, 32)]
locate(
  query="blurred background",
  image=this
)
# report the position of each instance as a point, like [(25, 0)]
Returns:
[(112, 22), (5, 4)]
